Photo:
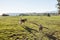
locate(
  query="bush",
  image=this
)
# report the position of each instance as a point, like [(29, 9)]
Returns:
[(49, 15), (5, 15)]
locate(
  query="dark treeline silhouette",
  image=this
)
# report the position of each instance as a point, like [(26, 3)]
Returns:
[(29, 14), (38, 14)]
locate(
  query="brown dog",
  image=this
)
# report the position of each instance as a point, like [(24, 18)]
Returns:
[(22, 21)]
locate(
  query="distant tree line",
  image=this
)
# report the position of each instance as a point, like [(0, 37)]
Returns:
[(33, 14), (39, 14)]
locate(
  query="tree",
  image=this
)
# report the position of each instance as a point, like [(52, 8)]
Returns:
[(58, 6)]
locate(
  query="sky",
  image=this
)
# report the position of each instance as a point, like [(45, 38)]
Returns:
[(23, 6)]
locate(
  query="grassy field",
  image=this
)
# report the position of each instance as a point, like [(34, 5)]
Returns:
[(10, 29)]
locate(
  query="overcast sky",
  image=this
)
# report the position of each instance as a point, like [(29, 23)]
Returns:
[(19, 6)]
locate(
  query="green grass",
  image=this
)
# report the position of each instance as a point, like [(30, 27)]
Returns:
[(9, 25)]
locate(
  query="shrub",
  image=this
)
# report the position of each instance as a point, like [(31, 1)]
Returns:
[(5, 15)]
